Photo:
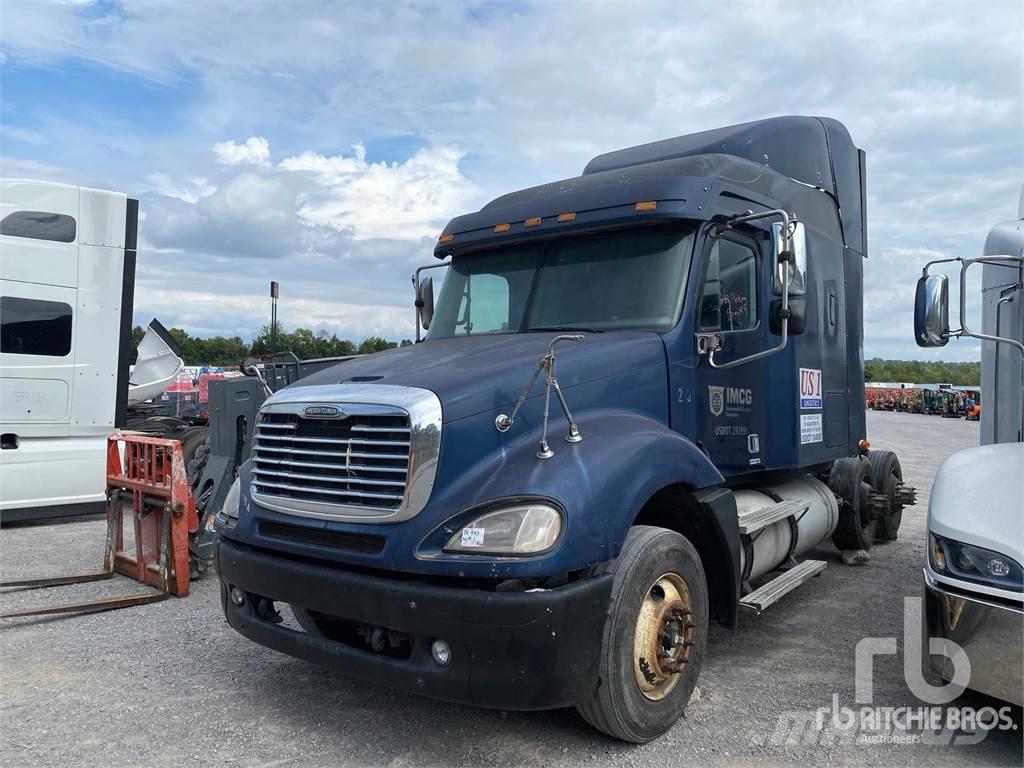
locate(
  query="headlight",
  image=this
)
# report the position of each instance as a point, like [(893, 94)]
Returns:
[(232, 500), (523, 529), (970, 563)]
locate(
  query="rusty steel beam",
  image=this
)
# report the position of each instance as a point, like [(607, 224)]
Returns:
[(91, 606)]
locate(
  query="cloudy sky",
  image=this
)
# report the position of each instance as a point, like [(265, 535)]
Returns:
[(325, 144)]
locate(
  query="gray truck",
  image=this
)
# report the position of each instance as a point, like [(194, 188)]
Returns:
[(973, 579)]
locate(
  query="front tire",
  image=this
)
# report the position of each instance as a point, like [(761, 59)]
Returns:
[(306, 621), (654, 636)]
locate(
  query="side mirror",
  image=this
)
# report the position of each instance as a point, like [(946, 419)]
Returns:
[(797, 316), (793, 271), (931, 311), (425, 301)]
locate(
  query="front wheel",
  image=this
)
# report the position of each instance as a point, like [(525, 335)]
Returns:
[(654, 636)]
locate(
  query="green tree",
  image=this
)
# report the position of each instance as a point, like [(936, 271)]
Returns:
[(923, 372), (137, 333), (375, 344)]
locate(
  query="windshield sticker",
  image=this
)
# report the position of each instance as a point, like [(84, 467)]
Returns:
[(472, 537), (810, 388), (810, 428)]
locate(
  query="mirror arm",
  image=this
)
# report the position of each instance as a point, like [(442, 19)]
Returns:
[(924, 269), (785, 311), (418, 303), (965, 264)]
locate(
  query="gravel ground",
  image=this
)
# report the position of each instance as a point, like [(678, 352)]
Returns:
[(170, 683)]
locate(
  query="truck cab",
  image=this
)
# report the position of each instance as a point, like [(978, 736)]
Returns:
[(67, 285), (639, 401)]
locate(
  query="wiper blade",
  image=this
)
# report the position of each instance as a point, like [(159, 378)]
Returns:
[(566, 328)]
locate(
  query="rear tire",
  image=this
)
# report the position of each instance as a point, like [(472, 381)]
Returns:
[(886, 475), (659, 605), (850, 480)]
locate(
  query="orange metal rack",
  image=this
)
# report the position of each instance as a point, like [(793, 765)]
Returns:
[(149, 472)]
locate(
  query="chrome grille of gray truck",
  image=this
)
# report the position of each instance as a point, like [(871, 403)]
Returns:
[(358, 461)]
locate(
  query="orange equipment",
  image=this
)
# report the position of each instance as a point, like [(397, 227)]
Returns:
[(150, 473)]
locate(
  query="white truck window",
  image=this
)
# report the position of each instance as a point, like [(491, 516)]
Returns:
[(729, 302), (39, 225), (34, 327)]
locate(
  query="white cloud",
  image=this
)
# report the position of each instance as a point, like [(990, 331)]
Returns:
[(256, 149), (399, 201), (190, 191), (940, 121), (207, 313)]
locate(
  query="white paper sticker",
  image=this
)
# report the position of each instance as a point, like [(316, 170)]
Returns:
[(472, 537), (810, 388), (810, 428)]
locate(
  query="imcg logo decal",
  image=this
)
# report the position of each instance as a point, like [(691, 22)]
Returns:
[(729, 400)]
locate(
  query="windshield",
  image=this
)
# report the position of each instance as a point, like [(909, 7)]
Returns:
[(627, 279)]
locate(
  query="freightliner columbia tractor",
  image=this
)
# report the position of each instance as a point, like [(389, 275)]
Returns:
[(639, 404)]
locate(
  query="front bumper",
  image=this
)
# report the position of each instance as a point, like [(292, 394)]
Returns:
[(510, 650), (991, 633)]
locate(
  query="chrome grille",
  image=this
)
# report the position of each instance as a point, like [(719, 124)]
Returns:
[(361, 460)]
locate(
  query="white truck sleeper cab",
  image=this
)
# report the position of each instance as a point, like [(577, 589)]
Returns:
[(67, 275)]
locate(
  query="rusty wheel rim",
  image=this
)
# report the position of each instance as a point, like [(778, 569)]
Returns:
[(663, 636)]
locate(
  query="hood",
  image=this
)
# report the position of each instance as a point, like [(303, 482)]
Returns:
[(976, 498), (472, 374)]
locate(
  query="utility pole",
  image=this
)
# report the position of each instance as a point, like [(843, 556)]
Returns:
[(273, 316)]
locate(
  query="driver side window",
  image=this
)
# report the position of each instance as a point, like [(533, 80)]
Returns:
[(729, 299)]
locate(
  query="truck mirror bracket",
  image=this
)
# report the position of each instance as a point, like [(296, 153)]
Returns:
[(785, 234), (547, 364), (708, 342), (422, 287)]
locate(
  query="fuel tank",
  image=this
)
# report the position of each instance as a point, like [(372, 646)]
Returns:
[(772, 545)]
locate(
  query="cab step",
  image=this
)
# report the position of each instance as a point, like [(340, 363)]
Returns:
[(766, 595), (756, 519)]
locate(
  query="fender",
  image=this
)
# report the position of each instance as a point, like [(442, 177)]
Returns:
[(600, 492)]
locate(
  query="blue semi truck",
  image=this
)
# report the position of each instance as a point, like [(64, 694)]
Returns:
[(639, 403)]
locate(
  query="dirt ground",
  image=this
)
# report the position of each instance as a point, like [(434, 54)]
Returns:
[(171, 683)]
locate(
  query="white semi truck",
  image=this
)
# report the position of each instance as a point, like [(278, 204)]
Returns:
[(973, 577), (67, 280)]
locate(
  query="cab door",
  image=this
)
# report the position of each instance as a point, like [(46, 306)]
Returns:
[(732, 301)]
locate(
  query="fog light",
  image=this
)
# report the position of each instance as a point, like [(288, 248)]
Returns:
[(237, 596), (441, 652)]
